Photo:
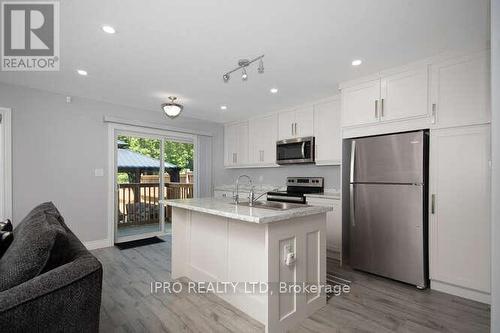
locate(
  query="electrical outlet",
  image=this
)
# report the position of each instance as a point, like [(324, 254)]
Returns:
[(289, 255)]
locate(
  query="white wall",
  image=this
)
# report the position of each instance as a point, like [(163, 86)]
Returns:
[(57, 146), (495, 218)]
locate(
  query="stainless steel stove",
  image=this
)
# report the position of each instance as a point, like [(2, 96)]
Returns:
[(296, 189)]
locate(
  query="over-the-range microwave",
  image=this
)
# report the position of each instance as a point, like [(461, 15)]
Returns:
[(295, 151)]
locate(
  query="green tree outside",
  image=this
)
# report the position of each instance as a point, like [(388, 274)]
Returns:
[(178, 153)]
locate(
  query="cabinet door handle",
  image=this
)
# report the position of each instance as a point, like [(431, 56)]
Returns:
[(235, 157), (376, 108), (295, 128), (433, 204), (381, 108), (261, 155), (433, 113), (292, 130)]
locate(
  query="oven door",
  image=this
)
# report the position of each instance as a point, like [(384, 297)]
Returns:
[(295, 151)]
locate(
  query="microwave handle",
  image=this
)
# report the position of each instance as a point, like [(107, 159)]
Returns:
[(303, 149)]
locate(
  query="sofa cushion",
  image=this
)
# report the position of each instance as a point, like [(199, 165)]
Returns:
[(6, 238), (34, 239)]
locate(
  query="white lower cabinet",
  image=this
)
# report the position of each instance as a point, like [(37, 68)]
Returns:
[(459, 211), (333, 224)]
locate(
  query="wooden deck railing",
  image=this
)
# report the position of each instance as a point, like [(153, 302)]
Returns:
[(138, 203)]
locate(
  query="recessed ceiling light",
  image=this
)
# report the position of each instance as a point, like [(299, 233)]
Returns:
[(274, 90), (108, 29), (356, 62), (223, 107), (82, 72)]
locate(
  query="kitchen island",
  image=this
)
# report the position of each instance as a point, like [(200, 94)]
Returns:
[(272, 257)]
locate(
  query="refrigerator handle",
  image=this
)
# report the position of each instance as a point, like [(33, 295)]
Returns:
[(351, 186), (353, 160)]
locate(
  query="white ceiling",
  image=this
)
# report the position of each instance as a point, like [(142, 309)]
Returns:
[(183, 47)]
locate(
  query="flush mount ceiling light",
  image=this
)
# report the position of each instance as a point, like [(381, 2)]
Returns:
[(82, 72), (356, 62), (243, 64), (108, 29), (172, 109), (223, 107), (273, 90)]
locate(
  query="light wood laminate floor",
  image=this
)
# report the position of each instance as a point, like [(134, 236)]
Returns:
[(373, 305)]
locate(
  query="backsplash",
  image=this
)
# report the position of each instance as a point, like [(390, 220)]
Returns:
[(277, 176)]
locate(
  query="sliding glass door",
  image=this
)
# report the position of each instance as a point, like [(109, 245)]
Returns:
[(149, 167)]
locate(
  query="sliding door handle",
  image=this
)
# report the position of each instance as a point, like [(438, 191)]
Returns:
[(433, 204)]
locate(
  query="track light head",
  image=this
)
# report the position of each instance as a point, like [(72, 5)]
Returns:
[(226, 77), (260, 69), (244, 75)]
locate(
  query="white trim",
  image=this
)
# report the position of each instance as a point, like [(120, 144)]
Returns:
[(6, 168), (146, 124), (461, 292), (97, 244)]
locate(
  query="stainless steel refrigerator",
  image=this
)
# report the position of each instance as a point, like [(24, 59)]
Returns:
[(387, 202)]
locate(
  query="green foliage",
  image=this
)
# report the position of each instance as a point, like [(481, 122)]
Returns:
[(122, 178), (178, 153)]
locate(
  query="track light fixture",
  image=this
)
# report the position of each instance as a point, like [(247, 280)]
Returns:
[(243, 64)]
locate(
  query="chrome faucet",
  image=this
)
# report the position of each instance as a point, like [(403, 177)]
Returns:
[(251, 196)]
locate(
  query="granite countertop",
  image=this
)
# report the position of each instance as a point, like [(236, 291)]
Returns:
[(225, 208), (328, 194)]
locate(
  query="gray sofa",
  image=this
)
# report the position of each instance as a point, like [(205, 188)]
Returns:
[(49, 281)]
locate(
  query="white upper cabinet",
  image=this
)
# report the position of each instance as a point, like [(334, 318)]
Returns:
[(461, 91), (327, 132), (236, 144), (360, 103), (304, 121), (400, 94), (295, 124), (263, 136), (459, 217), (405, 94), (286, 125)]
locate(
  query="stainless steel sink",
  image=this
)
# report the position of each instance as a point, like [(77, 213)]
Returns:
[(273, 205)]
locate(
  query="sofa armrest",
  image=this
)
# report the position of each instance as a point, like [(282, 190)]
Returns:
[(67, 298)]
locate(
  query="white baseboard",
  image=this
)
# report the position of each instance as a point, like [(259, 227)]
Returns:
[(474, 295), (98, 244), (333, 253)]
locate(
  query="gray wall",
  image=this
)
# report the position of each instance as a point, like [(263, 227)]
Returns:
[(495, 218), (57, 146)]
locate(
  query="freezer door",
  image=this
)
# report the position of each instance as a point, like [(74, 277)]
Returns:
[(386, 230), (395, 158)]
